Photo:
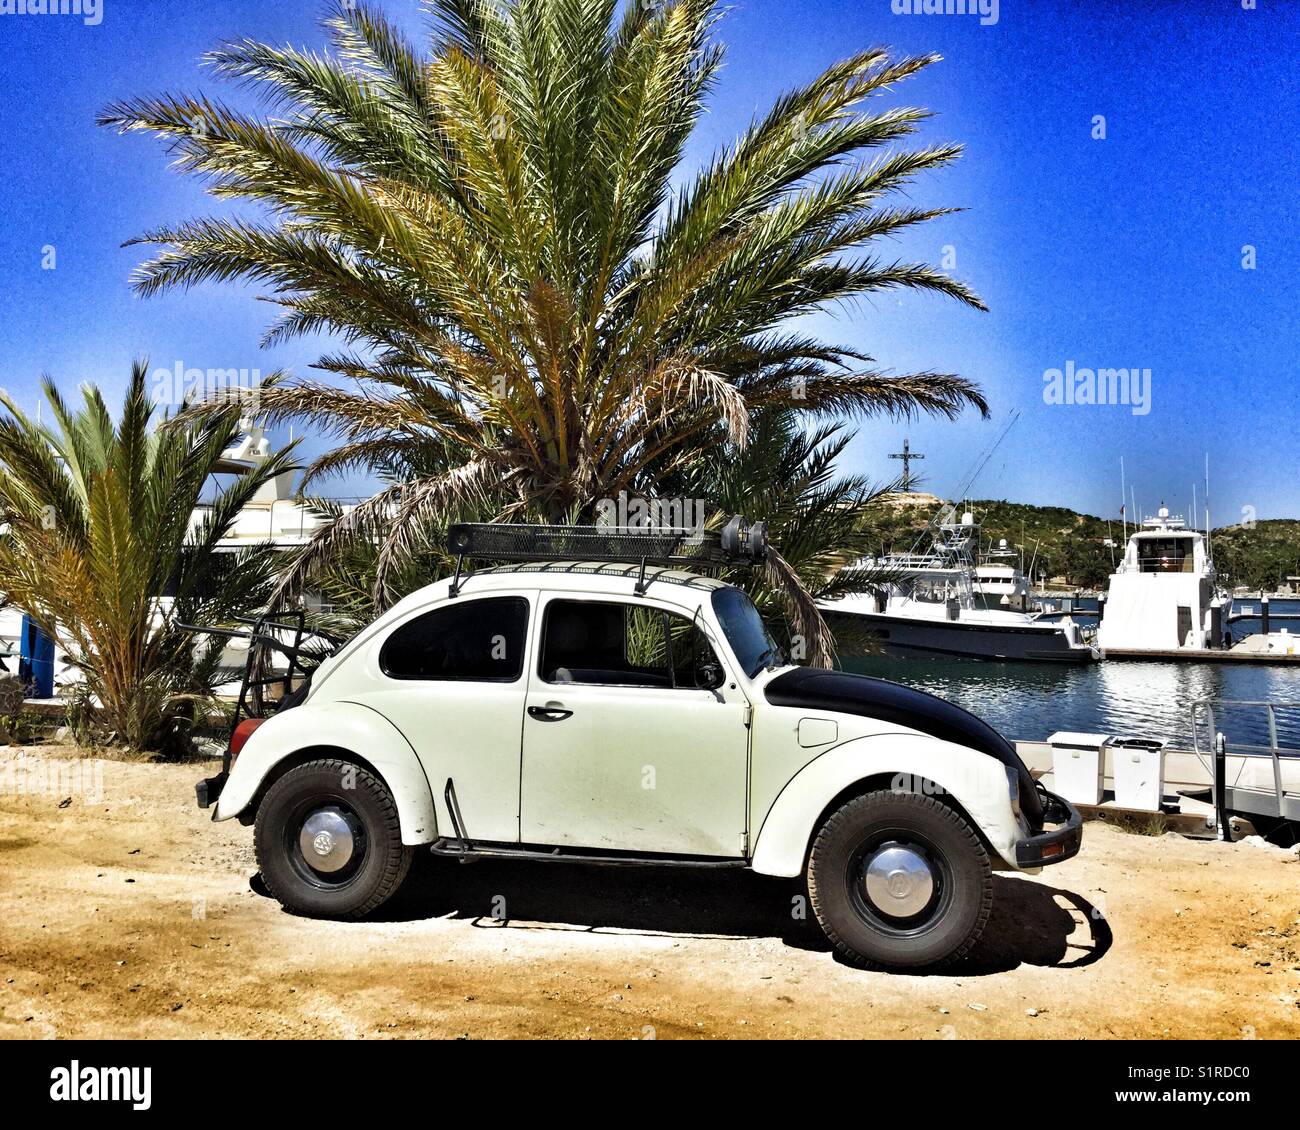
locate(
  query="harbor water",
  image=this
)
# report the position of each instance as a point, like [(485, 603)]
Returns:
[(1030, 701)]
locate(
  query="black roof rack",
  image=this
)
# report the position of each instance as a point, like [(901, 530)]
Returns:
[(739, 542)]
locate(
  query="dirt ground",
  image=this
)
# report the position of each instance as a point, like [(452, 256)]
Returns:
[(124, 912)]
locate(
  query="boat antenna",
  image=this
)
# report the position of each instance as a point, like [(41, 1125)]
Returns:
[(1122, 492), (1209, 541)]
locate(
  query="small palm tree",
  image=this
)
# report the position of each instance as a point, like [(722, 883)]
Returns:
[(99, 527), (495, 229)]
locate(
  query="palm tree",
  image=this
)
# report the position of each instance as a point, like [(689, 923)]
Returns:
[(819, 518), (99, 527), (496, 231)]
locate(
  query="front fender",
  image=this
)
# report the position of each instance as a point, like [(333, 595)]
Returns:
[(976, 781), (346, 726)]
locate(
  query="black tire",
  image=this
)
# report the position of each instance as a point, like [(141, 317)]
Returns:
[(377, 860), (956, 880)]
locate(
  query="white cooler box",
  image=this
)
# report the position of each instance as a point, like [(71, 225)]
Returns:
[(1079, 766), (1138, 768)]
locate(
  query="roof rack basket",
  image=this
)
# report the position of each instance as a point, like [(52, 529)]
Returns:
[(739, 542)]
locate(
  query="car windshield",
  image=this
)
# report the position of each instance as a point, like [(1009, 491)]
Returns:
[(745, 631)]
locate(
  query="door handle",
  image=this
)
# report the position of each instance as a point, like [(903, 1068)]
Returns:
[(549, 713)]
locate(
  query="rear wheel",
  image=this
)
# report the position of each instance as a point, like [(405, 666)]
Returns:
[(328, 840), (899, 880)]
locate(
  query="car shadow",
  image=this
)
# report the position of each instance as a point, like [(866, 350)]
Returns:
[(1032, 923)]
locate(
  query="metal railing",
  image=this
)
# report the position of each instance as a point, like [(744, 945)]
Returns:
[(1164, 564), (303, 518), (1206, 716)]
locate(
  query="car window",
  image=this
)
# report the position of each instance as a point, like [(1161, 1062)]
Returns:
[(626, 645), (466, 639), (691, 651)]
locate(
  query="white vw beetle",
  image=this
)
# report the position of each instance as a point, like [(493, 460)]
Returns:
[(613, 712)]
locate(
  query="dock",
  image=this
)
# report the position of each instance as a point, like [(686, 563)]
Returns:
[(1187, 806), (1253, 781), (1203, 655)]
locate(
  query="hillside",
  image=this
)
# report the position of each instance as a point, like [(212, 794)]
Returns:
[(1072, 549), (1260, 556)]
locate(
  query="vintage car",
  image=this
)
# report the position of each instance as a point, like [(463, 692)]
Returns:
[(619, 711)]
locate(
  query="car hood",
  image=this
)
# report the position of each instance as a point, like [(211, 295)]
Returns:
[(813, 688)]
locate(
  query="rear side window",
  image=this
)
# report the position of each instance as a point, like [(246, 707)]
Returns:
[(466, 639)]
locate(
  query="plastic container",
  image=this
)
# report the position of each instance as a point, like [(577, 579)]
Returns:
[(36, 661), (1079, 766), (1137, 766)]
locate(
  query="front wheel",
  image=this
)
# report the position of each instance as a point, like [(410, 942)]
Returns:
[(899, 880), (328, 840)]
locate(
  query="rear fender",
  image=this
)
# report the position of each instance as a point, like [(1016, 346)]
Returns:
[(976, 782), (348, 728)]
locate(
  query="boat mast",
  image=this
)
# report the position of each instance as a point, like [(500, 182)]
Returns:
[(1209, 542), (1122, 492)]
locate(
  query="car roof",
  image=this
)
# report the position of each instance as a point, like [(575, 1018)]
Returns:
[(603, 577), (598, 575)]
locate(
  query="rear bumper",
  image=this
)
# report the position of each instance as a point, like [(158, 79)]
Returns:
[(1057, 845), (208, 790)]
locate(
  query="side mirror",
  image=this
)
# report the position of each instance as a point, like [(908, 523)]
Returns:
[(709, 676)]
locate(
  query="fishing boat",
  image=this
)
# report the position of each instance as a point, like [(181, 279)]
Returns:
[(928, 604)]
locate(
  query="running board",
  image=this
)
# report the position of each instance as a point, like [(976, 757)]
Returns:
[(466, 853)]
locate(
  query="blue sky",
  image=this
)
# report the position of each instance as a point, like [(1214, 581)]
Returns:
[(1123, 252)]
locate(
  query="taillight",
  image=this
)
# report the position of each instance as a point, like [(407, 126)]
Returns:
[(242, 733)]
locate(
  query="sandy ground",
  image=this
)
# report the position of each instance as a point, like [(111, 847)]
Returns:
[(124, 912)]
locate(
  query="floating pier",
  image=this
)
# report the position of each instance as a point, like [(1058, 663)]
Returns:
[(1204, 655)]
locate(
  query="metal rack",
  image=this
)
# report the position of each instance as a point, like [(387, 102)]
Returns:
[(265, 637), (739, 542)]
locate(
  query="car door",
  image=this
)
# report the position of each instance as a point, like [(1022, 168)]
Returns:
[(452, 680), (623, 749)]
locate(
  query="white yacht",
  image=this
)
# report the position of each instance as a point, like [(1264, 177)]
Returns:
[(1165, 595), (930, 606), (273, 514), (999, 582)]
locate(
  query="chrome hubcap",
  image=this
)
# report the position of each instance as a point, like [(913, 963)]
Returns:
[(898, 881), (327, 840)]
